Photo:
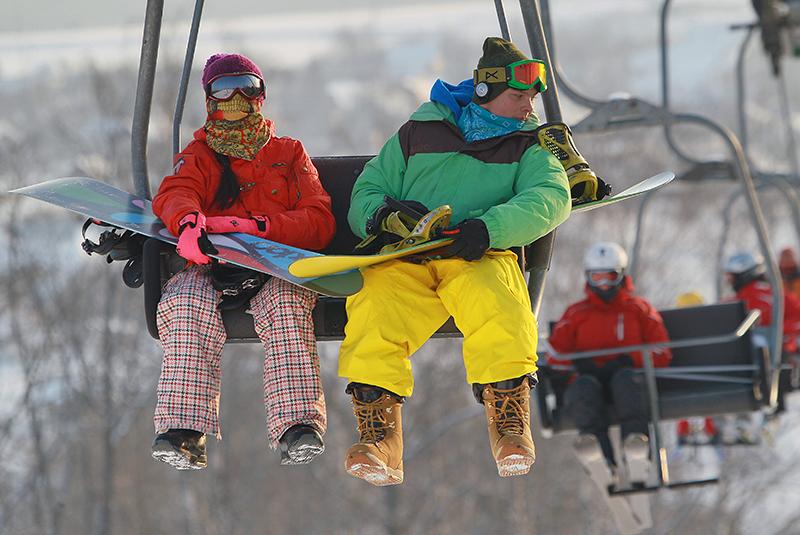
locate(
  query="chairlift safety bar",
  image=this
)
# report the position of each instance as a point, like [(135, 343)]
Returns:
[(734, 335)]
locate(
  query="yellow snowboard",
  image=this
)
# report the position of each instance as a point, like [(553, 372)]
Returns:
[(337, 264)]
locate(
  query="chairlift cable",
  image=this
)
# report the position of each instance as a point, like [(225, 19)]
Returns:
[(185, 75), (541, 250), (555, 67), (740, 89), (786, 112), (144, 96), (501, 18), (665, 89)]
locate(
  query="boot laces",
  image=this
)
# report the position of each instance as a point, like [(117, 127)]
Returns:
[(511, 411), (371, 418)]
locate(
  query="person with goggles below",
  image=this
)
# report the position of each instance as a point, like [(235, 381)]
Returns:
[(610, 316), (238, 176), (474, 148), (745, 272)]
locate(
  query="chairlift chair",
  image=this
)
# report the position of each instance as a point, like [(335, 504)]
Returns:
[(337, 175)]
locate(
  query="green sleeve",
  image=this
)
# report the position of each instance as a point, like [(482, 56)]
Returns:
[(541, 202), (383, 175)]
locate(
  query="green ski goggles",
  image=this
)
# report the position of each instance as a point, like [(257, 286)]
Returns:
[(523, 74)]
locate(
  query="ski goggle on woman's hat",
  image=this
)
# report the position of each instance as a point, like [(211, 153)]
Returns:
[(223, 87), (523, 74)]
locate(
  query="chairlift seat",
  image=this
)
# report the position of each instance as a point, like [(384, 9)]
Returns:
[(695, 389), (338, 175)]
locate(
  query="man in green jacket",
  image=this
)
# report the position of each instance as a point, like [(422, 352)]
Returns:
[(473, 147)]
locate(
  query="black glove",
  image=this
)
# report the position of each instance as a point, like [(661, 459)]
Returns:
[(383, 211), (585, 366), (612, 367), (471, 239)]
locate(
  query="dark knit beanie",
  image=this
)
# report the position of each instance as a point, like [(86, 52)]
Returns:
[(497, 52), (228, 64)]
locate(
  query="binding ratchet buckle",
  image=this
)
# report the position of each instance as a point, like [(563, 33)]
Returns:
[(405, 227), (584, 185)]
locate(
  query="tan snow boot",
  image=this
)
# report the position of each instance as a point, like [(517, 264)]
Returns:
[(509, 417), (378, 456)]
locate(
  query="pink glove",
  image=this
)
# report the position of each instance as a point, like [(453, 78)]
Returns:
[(255, 226), (193, 242)]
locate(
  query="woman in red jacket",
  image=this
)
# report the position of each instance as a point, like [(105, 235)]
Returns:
[(610, 316), (237, 176)]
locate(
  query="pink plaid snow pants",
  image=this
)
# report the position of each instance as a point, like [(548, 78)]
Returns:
[(192, 334)]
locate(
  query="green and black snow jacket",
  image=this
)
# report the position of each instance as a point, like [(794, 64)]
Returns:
[(518, 189)]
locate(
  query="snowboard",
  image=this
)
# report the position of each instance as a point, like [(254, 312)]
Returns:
[(645, 186), (587, 450), (318, 266), (98, 200)]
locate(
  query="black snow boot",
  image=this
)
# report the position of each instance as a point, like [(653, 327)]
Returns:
[(300, 444), (182, 448)]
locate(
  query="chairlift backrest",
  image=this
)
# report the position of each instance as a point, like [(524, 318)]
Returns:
[(699, 390)]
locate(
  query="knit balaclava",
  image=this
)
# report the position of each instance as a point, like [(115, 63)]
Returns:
[(497, 52), (242, 138)]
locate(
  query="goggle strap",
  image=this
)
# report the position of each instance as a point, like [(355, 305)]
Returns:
[(491, 75)]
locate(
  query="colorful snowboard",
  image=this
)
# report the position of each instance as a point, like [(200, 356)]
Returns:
[(319, 266), (106, 203)]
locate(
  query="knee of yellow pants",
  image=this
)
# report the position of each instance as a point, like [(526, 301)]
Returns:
[(491, 307), (396, 311), (402, 304)]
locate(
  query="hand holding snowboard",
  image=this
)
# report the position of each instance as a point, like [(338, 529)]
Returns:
[(193, 242), (470, 239)]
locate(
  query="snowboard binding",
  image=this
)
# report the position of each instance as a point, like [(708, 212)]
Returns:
[(584, 185), (405, 227), (118, 244)]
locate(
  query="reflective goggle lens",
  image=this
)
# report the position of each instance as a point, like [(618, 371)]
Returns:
[(526, 74), (598, 278), (223, 87)]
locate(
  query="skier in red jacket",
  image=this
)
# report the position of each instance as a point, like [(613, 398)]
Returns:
[(237, 176), (610, 316), (745, 273)]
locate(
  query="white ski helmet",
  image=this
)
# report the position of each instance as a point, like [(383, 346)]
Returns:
[(745, 268), (743, 262), (601, 260), (606, 256)]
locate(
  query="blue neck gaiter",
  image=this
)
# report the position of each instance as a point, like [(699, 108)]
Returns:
[(476, 123)]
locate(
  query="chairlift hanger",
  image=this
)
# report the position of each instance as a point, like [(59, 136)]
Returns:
[(537, 255)]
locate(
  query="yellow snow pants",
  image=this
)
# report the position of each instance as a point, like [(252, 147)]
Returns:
[(403, 303)]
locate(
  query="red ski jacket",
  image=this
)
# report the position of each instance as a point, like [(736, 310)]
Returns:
[(758, 295), (280, 182), (626, 320)]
